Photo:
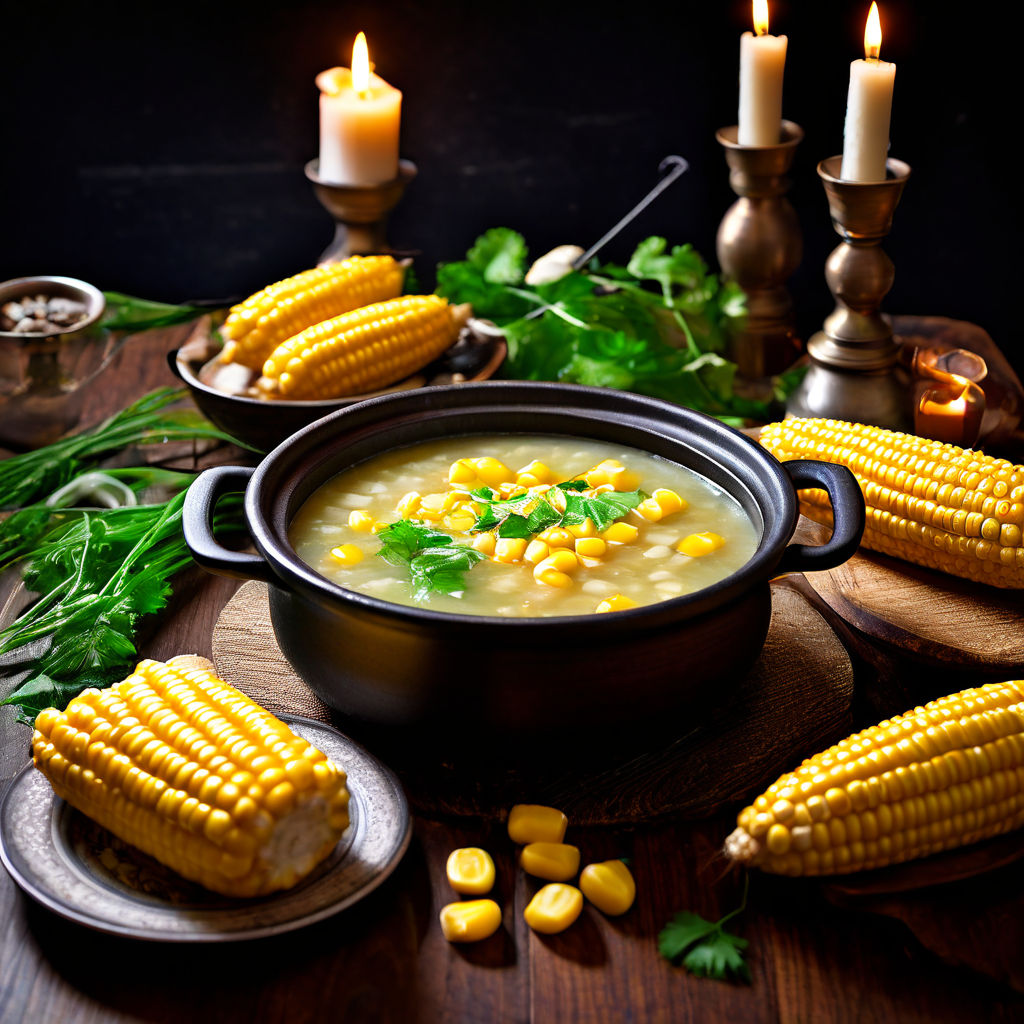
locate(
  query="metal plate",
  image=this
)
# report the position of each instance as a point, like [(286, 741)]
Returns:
[(81, 871)]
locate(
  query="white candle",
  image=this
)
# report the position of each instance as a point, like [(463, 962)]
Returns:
[(762, 63), (868, 109), (360, 115)]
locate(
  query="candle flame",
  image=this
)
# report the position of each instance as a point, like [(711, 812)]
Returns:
[(760, 16), (873, 33), (361, 65)]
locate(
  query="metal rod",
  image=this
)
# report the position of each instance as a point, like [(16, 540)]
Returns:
[(672, 168)]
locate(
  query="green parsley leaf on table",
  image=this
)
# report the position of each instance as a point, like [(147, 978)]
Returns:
[(705, 948)]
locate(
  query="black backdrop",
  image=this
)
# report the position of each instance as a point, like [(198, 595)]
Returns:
[(158, 148)]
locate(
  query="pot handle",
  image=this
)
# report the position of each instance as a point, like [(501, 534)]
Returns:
[(197, 525), (847, 501)]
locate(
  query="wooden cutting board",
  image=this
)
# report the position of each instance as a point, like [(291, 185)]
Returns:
[(795, 700)]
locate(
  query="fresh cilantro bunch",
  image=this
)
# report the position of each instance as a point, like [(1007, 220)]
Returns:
[(656, 326)]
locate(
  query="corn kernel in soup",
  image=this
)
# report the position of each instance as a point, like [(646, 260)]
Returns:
[(522, 526)]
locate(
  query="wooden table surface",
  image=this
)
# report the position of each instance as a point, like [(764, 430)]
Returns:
[(811, 958)]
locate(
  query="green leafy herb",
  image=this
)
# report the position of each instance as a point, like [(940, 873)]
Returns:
[(436, 564), (32, 476), (606, 327), (42, 692), (705, 948), (602, 508), (128, 313), (98, 573)]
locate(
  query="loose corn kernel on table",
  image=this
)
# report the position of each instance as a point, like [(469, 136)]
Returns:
[(814, 953)]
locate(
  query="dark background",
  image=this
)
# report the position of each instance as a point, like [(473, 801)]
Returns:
[(158, 149)]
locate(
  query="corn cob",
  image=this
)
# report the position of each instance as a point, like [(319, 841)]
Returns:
[(364, 350), (185, 767), (943, 507), (943, 775), (255, 327)]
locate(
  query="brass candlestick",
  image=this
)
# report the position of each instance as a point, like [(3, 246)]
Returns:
[(360, 212), (759, 246), (854, 373)]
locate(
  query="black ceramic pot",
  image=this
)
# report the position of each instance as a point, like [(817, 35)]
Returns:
[(396, 666)]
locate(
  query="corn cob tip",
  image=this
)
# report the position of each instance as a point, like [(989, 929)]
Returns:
[(460, 315), (192, 662), (741, 847)]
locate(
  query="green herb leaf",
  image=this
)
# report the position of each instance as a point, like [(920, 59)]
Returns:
[(403, 539), (442, 569), (436, 564), (500, 255), (128, 313), (706, 949), (602, 508), (41, 692)]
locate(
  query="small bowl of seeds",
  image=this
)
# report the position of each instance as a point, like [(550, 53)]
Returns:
[(51, 347)]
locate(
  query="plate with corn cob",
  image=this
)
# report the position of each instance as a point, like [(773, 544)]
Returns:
[(325, 338), (171, 807)]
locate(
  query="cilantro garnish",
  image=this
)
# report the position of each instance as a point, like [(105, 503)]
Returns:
[(602, 508), (436, 564), (706, 948)]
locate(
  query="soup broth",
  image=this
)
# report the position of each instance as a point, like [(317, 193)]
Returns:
[(600, 527)]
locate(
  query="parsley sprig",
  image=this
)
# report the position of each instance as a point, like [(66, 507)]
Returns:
[(706, 949), (436, 564)]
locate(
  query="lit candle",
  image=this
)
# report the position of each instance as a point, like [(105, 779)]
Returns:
[(359, 120), (868, 109), (762, 62), (954, 420)]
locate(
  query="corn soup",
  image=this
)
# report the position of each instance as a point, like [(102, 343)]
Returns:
[(519, 526)]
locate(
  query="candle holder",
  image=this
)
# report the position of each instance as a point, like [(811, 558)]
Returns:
[(360, 212), (759, 245), (854, 374)]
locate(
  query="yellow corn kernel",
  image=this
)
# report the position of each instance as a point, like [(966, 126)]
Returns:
[(491, 471), (584, 529), (536, 551), (509, 549), (616, 603), (621, 533), (557, 537), (460, 522), (698, 544), (347, 554), (609, 886), (461, 472), (470, 920), (612, 473), (591, 547), (650, 510), (408, 504), (484, 543), (361, 521), (553, 908), (510, 490), (436, 502), (551, 577), (533, 475), (535, 823), (668, 501), (557, 862), (562, 559), (470, 871)]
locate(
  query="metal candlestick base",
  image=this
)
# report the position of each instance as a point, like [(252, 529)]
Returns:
[(759, 246), (360, 212), (854, 373)]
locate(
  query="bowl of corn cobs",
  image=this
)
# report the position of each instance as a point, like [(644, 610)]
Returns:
[(325, 339)]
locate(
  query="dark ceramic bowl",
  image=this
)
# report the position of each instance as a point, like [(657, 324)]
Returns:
[(395, 666), (263, 424)]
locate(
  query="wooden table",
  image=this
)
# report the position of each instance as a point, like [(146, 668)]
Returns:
[(385, 959)]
